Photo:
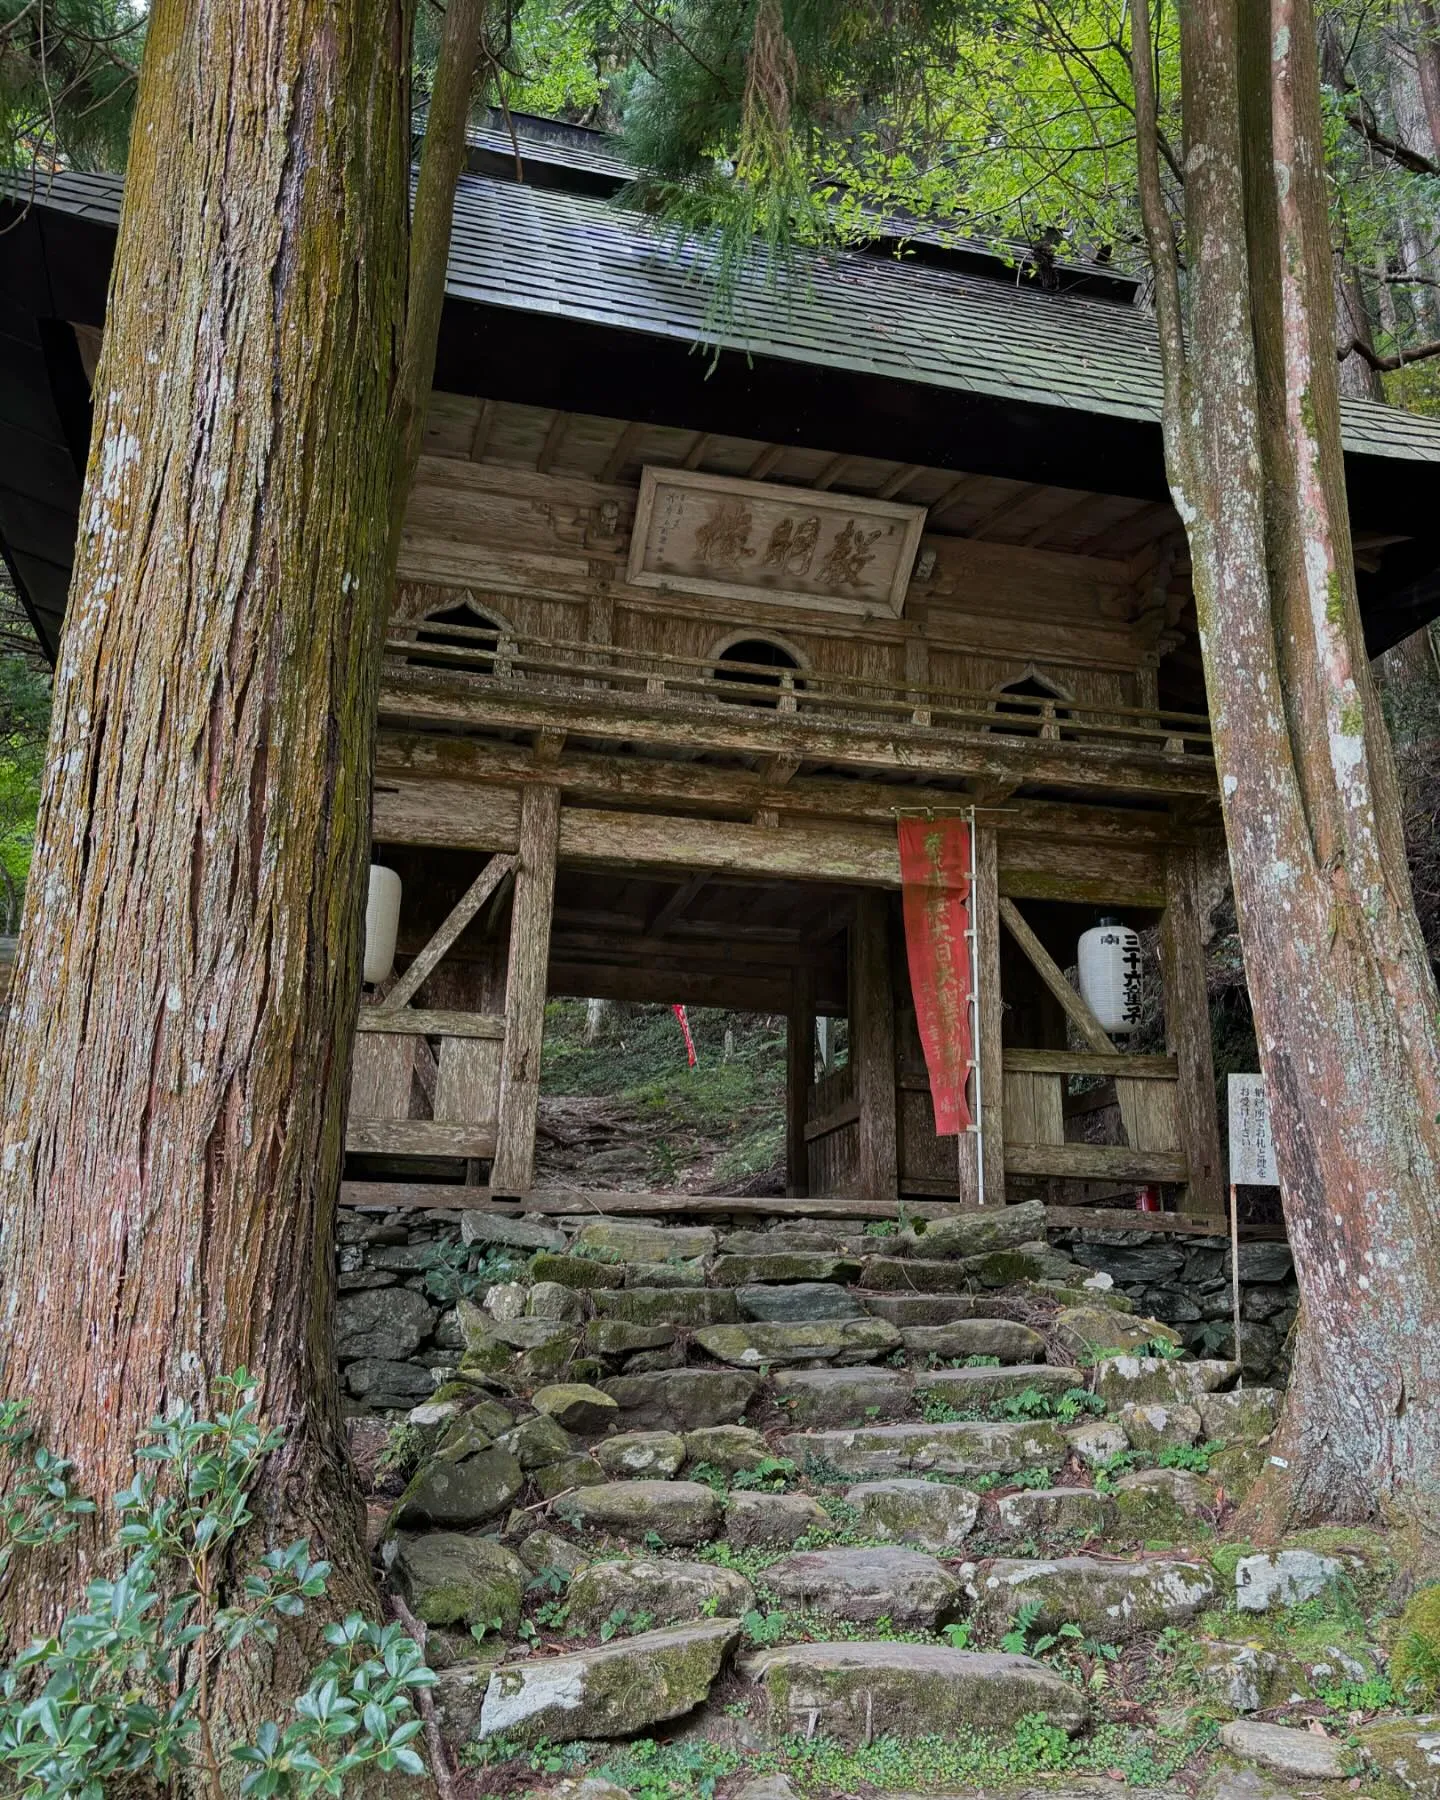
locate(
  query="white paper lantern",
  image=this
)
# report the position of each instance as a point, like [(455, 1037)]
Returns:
[(382, 921), (1110, 974)]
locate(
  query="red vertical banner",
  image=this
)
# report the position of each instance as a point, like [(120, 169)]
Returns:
[(684, 1018), (935, 876)]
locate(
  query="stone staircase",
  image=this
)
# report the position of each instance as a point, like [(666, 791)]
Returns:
[(804, 1483)]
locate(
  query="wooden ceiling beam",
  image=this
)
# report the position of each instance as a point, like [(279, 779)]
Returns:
[(952, 495), (1007, 509), (697, 452), (899, 481), (1061, 521), (554, 436), (831, 473), (675, 906), (1127, 517), (764, 462), (480, 437), (624, 449)]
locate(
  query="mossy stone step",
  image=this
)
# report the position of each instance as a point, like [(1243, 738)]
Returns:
[(1002, 1338), (665, 1592), (782, 1267), (855, 1692), (843, 1396), (635, 1240), (676, 1512), (615, 1690), (913, 1275), (907, 1587), (1107, 1600), (1064, 1512), (687, 1307), (966, 1448), (797, 1302), (929, 1515), (1166, 1380), (965, 1389), (835, 1340), (920, 1309), (681, 1399)]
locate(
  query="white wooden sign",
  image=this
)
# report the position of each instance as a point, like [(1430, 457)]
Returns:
[(756, 540), (1252, 1149)]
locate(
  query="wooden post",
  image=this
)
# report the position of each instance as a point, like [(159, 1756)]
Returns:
[(514, 1166), (872, 1045), (799, 1078), (1187, 1032), (985, 916)]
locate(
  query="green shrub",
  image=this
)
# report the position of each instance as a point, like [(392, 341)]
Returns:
[(120, 1701)]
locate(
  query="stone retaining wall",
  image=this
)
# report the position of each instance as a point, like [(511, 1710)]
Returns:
[(400, 1272)]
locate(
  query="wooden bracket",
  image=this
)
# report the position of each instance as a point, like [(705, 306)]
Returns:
[(1053, 976), (459, 916)]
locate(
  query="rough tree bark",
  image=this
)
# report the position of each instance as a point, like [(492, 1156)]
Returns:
[(1344, 998)]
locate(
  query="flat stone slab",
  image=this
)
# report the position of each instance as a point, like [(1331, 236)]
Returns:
[(518, 1234), (637, 1454), (966, 1448), (1283, 1578), (576, 1405), (755, 1521), (1408, 1751), (612, 1691), (1152, 1502), (907, 1587), (1159, 1425), (966, 1388), (460, 1494), (978, 1233), (1011, 1342), (929, 1515), (854, 1692), (1107, 1600), (798, 1302), (1287, 1750), (914, 1275), (1057, 1512), (920, 1309), (1244, 1417), (782, 1266), (681, 1399), (663, 1592), (628, 1240), (667, 1305), (678, 1512), (1085, 1334), (836, 1340), (843, 1396)]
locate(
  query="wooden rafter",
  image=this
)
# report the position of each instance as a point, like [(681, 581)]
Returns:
[(954, 493), (625, 446), (480, 437), (899, 481), (675, 907), (554, 437), (831, 473), (1006, 510), (764, 462), (1067, 517), (697, 452)]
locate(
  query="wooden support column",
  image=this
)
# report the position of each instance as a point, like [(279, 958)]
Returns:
[(799, 1078), (872, 1046), (514, 1165), (1187, 1033), (985, 916)]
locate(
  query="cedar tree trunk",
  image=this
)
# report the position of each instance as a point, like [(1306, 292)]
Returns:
[(1345, 1002), (178, 1053)]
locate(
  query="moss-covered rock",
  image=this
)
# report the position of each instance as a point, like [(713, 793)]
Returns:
[(965, 1389), (660, 1591), (1166, 1380), (449, 1578), (536, 1441), (654, 1454), (1408, 1752), (730, 1448), (1086, 1334), (929, 1515), (914, 1275), (665, 1274), (769, 1521), (968, 1234), (907, 1587), (627, 1241), (619, 1337), (554, 1300), (965, 1448), (840, 1341), (1096, 1441), (570, 1271), (1002, 1338), (575, 1406), (686, 1307), (842, 1396), (615, 1690), (1107, 1600), (682, 1399), (1067, 1512), (548, 1550), (1155, 1425), (570, 1472), (677, 1512), (470, 1491), (1162, 1503), (1246, 1416), (854, 1691), (920, 1309), (783, 1266)]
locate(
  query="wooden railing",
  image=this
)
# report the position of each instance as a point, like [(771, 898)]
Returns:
[(658, 679)]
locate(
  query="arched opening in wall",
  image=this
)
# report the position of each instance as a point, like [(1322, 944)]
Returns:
[(1030, 708), (755, 665), (478, 633)]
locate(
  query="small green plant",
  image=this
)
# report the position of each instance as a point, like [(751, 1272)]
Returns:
[(764, 1628), (1016, 1641), (550, 1580), (771, 1475), (1194, 1457), (404, 1447), (623, 1619), (1030, 1403), (1164, 1350), (124, 1691), (552, 1614), (882, 1228), (481, 1629), (978, 1362), (40, 1505), (1031, 1478), (957, 1635), (652, 1540)]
